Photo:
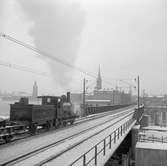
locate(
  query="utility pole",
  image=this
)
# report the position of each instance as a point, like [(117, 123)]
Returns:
[(84, 97), (113, 97), (130, 94), (143, 96), (138, 92)]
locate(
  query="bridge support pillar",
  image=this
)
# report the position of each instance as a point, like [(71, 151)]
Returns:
[(134, 132)]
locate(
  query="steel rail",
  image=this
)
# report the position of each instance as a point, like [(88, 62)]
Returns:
[(41, 149), (78, 143), (77, 122)]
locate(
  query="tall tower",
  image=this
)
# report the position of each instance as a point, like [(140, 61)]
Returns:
[(35, 90), (98, 81)]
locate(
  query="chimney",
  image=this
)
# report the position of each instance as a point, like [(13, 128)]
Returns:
[(68, 97)]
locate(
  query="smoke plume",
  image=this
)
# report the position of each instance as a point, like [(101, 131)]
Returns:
[(57, 27)]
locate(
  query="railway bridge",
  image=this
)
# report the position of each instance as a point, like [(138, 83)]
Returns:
[(90, 141)]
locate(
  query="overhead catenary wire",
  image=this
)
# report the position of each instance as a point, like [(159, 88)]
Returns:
[(44, 54), (49, 56), (22, 68), (127, 83)]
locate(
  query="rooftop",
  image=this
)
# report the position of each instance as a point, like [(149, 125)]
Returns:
[(152, 137), (151, 145)]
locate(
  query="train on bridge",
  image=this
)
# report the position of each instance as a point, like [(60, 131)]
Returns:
[(54, 111)]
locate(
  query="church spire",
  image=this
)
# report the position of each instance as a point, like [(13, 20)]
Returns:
[(99, 74), (99, 80)]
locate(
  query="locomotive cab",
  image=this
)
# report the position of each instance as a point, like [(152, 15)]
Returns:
[(63, 108), (49, 100)]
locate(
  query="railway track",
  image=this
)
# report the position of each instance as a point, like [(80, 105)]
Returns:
[(27, 155), (77, 122)]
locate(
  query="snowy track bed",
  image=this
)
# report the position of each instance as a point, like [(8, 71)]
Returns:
[(49, 141)]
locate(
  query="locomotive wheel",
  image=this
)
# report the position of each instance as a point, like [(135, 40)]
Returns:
[(7, 138), (71, 122), (48, 125), (57, 123), (64, 123), (60, 123), (32, 129)]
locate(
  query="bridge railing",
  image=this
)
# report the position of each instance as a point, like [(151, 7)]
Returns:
[(98, 109), (102, 146)]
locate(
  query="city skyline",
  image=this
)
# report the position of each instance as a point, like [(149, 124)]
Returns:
[(126, 40)]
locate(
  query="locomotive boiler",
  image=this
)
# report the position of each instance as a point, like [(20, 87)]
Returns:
[(53, 111)]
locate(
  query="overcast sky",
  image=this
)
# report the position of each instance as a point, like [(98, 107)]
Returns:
[(126, 37)]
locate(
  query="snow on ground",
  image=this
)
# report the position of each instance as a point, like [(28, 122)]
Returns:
[(153, 137), (35, 142), (69, 156), (154, 134), (152, 145), (160, 128)]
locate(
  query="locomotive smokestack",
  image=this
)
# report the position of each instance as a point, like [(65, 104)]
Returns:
[(68, 97)]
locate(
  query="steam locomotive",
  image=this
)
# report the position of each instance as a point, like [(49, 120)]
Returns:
[(54, 111)]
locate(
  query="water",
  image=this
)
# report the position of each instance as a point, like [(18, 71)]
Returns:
[(4, 108)]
